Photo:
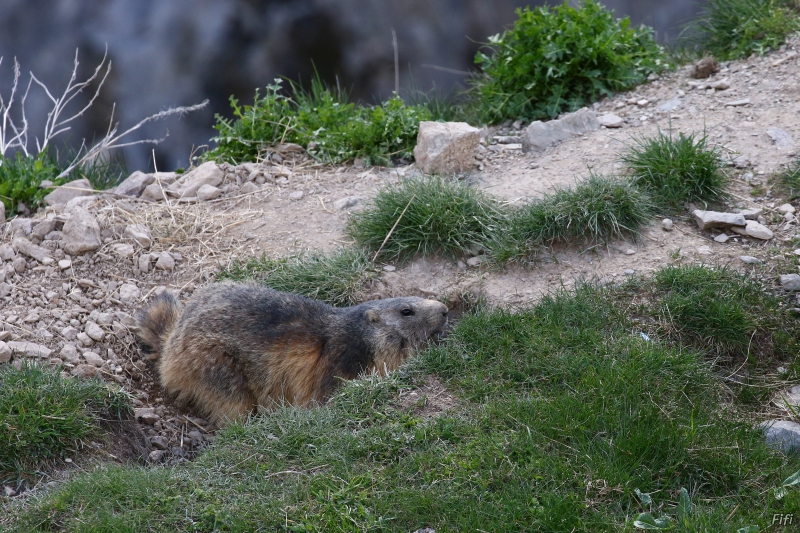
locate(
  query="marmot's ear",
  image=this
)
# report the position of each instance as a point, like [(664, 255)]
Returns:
[(373, 316)]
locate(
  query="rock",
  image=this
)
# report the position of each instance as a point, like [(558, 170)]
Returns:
[(749, 259), (43, 228), (84, 370), (790, 282), (782, 434), (347, 201), (81, 233), (610, 120), (19, 264), (705, 68), (144, 263), (296, 195), (248, 188), (156, 456), (704, 250), (476, 261), (129, 292), (738, 103), (5, 352), (786, 209), (187, 185), (721, 238), (139, 233), (758, 231), (720, 85), (7, 252), (94, 331), (21, 225), (134, 184), (752, 214), (541, 135), (630, 251), (80, 201), (68, 191), (208, 192), (446, 147), (64, 264), (5, 289), (123, 249), (26, 247), (667, 224), (147, 415), (70, 333), (165, 261), (155, 191), (69, 354), (93, 359), (781, 139), (714, 219), (30, 349), (159, 442), (670, 105), (84, 339)]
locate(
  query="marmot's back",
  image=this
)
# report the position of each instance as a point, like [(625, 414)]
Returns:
[(236, 347)]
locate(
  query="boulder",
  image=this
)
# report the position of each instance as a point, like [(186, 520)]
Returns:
[(446, 147), (81, 233), (73, 189), (542, 135)]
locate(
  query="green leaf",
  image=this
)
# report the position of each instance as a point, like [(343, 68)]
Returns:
[(748, 529), (684, 504), (647, 521), (792, 480), (644, 497)]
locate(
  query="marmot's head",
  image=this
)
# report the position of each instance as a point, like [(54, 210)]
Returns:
[(399, 325)]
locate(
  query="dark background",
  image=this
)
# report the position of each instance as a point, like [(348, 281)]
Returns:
[(179, 52)]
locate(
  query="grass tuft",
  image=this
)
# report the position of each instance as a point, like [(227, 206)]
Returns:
[(789, 180), (677, 170), (44, 415), (443, 216), (338, 279)]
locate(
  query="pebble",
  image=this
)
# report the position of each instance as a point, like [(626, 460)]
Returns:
[(159, 442), (786, 209), (147, 415), (123, 249), (156, 456), (296, 195), (85, 371), (7, 252), (30, 349), (64, 264), (738, 103), (610, 120), (94, 331), (667, 224), (749, 259), (704, 250), (790, 282), (165, 261), (248, 187), (475, 261), (140, 234), (93, 359), (69, 354), (630, 251), (129, 293), (347, 201), (5, 352), (389, 268), (84, 339), (758, 231), (721, 238)]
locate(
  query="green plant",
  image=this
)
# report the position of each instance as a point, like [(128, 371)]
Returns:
[(561, 58), (320, 119), (598, 209), (21, 177), (789, 180), (677, 170), (731, 29), (338, 279), (430, 215), (44, 415)]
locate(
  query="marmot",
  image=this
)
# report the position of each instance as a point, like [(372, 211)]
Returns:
[(238, 347)]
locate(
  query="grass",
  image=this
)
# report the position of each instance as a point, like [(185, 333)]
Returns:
[(44, 416), (565, 420), (322, 121), (788, 180), (733, 29), (677, 170), (338, 279), (597, 209), (431, 215), (21, 177)]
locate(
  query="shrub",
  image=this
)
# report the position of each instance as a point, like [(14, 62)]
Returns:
[(558, 59), (340, 131), (676, 170), (21, 177)]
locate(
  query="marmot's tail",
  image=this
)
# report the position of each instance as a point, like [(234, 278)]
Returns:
[(155, 322)]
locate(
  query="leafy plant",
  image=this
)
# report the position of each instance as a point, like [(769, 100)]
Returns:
[(21, 177), (559, 59), (789, 179)]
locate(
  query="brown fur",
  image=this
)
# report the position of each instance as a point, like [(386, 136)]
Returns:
[(238, 347)]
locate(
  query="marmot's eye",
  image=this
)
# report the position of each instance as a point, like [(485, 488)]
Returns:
[(407, 312)]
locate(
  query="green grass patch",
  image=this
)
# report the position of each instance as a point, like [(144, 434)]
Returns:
[(43, 415), (677, 170), (321, 120), (430, 215), (597, 209), (566, 420), (338, 279), (733, 29), (788, 181), (560, 58), (21, 177)]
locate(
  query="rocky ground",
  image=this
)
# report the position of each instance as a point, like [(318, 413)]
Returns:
[(73, 274)]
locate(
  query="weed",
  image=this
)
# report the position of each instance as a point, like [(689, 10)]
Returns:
[(732, 29), (561, 58), (431, 215), (788, 180), (338, 279), (44, 415), (21, 177), (677, 170)]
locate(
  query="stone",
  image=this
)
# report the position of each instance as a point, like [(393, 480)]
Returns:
[(610, 120), (187, 185), (123, 249), (749, 259), (165, 261), (630, 251), (159, 442), (781, 139), (43, 228), (84, 370), (84, 339), (64, 264), (134, 184), (208, 192), (670, 105), (752, 214), (347, 201), (21, 225), (758, 231), (7, 252), (70, 333), (69, 354), (541, 135), (667, 224), (144, 263), (786, 209), (129, 293), (249, 187), (5, 352), (5, 289), (296, 195), (721, 238), (139, 233), (155, 191), (26, 247), (80, 201), (19, 264), (714, 219), (147, 415), (704, 250), (156, 456), (73, 189), (790, 282), (476, 261), (446, 147), (720, 85), (782, 434), (81, 233), (738, 103), (705, 68), (30, 349), (93, 359), (94, 331)]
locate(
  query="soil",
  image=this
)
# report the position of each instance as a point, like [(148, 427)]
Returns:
[(277, 219)]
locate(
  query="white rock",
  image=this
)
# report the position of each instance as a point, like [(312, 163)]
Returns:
[(790, 282), (69, 354), (134, 184), (446, 147), (7, 252), (165, 261), (541, 135), (187, 185), (5, 352), (123, 248), (144, 262), (64, 264), (85, 371), (786, 209), (5, 288), (93, 359), (758, 231), (94, 331), (296, 195), (139, 233), (782, 434), (738, 103), (30, 349), (721, 238), (26, 247), (714, 219), (476, 261), (752, 214), (208, 192), (347, 201), (129, 293), (70, 333), (248, 188), (610, 120), (781, 139), (749, 259), (155, 191), (81, 233), (74, 189), (670, 105), (720, 85), (21, 226)]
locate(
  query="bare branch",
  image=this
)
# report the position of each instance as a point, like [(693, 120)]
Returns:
[(8, 123)]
